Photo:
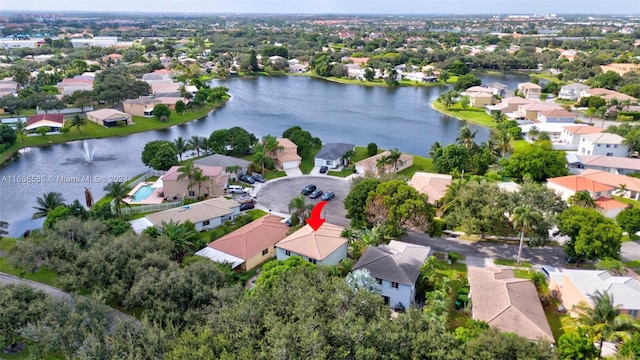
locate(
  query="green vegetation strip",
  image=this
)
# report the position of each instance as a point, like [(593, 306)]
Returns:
[(509, 262), (44, 276), (472, 115)]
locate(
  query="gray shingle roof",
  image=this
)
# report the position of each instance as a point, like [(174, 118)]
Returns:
[(398, 262), (332, 151)]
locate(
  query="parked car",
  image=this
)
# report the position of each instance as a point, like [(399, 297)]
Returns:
[(328, 195), (236, 189), (308, 189), (246, 206), (245, 199), (315, 194), (323, 169), (288, 222), (246, 179), (257, 177)]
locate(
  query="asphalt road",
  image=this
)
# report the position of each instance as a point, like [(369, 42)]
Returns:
[(277, 194)]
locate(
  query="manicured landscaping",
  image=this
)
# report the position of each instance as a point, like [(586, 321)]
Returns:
[(636, 204), (92, 130), (342, 173), (256, 213), (632, 264), (308, 162), (44, 276), (509, 262), (7, 244), (272, 174), (472, 115), (382, 83), (420, 163)]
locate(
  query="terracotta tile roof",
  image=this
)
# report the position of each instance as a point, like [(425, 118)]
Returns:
[(603, 138), (539, 106), (507, 303), (142, 101), (286, 143), (249, 240), (314, 244), (173, 173), (614, 162), (56, 118), (105, 113), (607, 204), (583, 129), (558, 113), (433, 185), (371, 162), (480, 89), (529, 85), (580, 183), (611, 179)]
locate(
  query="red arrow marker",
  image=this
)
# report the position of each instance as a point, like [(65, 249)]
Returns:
[(315, 221)]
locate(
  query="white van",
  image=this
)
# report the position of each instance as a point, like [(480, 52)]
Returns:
[(236, 189)]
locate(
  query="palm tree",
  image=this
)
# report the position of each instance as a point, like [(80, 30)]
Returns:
[(466, 136), (622, 189), (582, 198), (271, 146), (591, 112), (260, 156), (188, 171), (181, 146), (601, 112), (503, 143), (183, 237), (198, 178), (118, 191), (195, 143), (533, 133), (381, 163), (603, 321), (21, 128), (233, 169), (525, 218), (394, 157), (78, 121), (299, 210), (434, 149), (361, 279), (46, 203)]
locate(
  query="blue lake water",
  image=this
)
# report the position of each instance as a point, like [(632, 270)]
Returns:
[(400, 117)]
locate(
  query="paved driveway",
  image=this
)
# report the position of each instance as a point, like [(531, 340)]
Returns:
[(276, 194)]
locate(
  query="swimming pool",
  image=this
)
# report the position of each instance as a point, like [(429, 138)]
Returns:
[(142, 193)]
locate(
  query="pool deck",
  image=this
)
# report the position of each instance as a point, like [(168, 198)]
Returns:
[(154, 198)]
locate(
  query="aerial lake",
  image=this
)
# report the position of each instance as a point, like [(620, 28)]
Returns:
[(400, 117)]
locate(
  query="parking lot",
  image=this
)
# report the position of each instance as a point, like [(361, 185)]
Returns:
[(276, 194)]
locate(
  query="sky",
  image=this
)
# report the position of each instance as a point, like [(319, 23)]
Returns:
[(627, 7)]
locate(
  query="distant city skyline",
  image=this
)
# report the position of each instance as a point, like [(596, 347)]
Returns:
[(454, 7)]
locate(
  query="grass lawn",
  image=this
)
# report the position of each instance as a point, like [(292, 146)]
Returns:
[(472, 115), (44, 276), (362, 153), (308, 162), (548, 77), (636, 204), (633, 264), (256, 213), (510, 262), (565, 102), (382, 83), (7, 244), (272, 174), (420, 163), (93, 131), (342, 173)]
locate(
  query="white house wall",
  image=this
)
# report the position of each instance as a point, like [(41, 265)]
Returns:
[(401, 295)]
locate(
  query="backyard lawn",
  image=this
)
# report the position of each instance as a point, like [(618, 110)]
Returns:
[(420, 163), (472, 115)]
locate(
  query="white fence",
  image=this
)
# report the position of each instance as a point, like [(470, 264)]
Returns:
[(147, 175), (136, 209)]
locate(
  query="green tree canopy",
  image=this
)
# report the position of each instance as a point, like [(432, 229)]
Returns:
[(466, 81), (538, 161)]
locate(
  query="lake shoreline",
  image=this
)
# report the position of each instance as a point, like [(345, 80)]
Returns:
[(11, 154)]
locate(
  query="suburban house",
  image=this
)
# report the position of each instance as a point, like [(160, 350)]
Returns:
[(158, 75), (287, 158), (480, 99), (224, 162), (531, 132), (571, 91), (173, 186), (567, 186), (109, 117), (612, 111), (324, 246), (9, 87), (498, 89), (556, 116), (370, 164), (573, 287), (433, 185), (53, 122), (507, 303), (631, 184), (78, 83), (396, 267), (142, 106), (165, 88), (248, 246), (530, 111), (204, 215), (507, 105), (331, 155), (530, 90), (613, 164), (170, 101), (608, 95), (572, 134), (603, 144)]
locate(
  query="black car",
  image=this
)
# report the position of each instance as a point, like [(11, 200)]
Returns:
[(246, 179), (257, 177), (247, 206), (308, 189), (323, 169), (315, 194)]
